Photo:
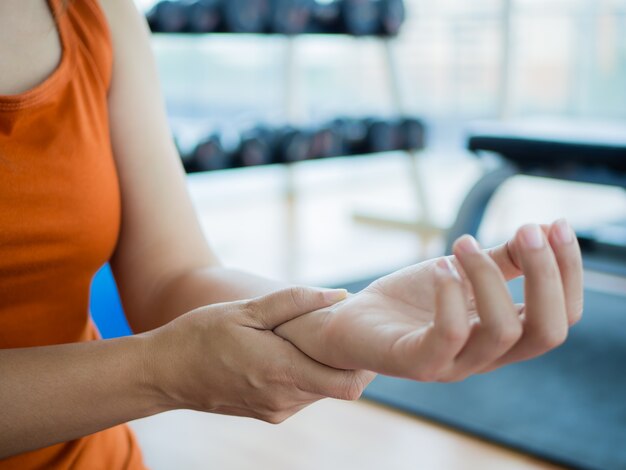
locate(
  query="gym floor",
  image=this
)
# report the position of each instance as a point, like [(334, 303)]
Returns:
[(245, 217)]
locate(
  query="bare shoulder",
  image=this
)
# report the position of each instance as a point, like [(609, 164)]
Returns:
[(123, 15)]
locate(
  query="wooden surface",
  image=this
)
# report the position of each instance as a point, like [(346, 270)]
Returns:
[(328, 435)]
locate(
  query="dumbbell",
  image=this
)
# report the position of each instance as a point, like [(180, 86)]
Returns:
[(255, 147), (204, 16), (290, 16), (168, 16), (360, 17), (210, 154), (382, 135), (290, 145), (412, 134), (354, 17), (326, 16), (392, 14), (353, 133), (246, 16), (326, 142)]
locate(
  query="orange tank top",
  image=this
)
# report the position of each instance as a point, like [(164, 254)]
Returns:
[(60, 216)]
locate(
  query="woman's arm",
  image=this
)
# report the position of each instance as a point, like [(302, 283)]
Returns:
[(205, 360), (59, 393), (164, 266)]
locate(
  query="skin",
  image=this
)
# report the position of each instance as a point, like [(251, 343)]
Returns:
[(218, 340)]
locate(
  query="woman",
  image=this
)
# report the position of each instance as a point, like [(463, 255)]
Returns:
[(89, 173)]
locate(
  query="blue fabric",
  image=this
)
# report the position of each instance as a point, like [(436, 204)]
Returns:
[(105, 305), (568, 406)]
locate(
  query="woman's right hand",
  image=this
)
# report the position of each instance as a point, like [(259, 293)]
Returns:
[(226, 359)]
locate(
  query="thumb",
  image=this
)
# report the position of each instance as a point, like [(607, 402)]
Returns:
[(274, 309)]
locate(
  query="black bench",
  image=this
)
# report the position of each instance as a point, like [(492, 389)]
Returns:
[(574, 150)]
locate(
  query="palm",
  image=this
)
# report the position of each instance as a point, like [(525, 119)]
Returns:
[(393, 313), (422, 323)]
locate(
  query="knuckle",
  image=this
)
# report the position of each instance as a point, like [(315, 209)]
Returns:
[(252, 308), (552, 338), (452, 378), (273, 407), (297, 296), (431, 372), (427, 375), (352, 388), (506, 334), (454, 334), (275, 418)]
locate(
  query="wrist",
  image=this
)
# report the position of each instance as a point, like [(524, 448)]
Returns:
[(151, 377)]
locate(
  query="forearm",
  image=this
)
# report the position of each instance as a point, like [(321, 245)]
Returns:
[(58, 393), (216, 285), (198, 288)]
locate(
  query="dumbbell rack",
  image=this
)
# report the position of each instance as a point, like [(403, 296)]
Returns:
[(294, 112), (422, 224)]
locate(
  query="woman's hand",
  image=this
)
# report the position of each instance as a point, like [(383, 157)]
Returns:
[(226, 359), (446, 319)]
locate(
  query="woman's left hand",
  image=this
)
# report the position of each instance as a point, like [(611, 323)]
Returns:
[(449, 318)]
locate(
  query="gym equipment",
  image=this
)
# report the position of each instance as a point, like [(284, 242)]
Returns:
[(290, 16), (383, 135), (168, 16), (210, 155), (246, 16), (255, 148), (354, 17), (326, 142), (291, 145), (575, 150), (392, 15), (326, 17), (353, 132), (207, 16), (412, 134), (360, 17), (204, 16), (263, 144)]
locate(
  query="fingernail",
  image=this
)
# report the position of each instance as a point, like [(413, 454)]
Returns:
[(335, 295), (533, 237), (468, 244), (445, 268), (564, 232)]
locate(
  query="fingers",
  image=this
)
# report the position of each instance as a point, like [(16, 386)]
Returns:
[(272, 310), (545, 314), (451, 328), (500, 327), (568, 257), (546, 319), (567, 252), (506, 256), (312, 377)]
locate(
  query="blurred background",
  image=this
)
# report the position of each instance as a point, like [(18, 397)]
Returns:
[(370, 208), (456, 62)]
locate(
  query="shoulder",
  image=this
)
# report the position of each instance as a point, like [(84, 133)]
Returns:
[(120, 13)]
